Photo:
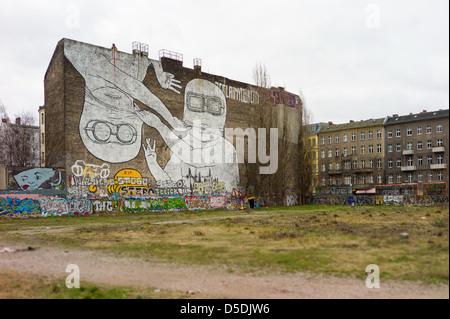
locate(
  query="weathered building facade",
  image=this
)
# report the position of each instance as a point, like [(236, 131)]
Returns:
[(416, 151), (352, 154), (126, 125)]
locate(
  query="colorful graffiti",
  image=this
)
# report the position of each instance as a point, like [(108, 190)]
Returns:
[(79, 207), (19, 208), (281, 97), (35, 178), (54, 207)]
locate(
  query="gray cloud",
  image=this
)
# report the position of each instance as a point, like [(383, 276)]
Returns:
[(345, 69)]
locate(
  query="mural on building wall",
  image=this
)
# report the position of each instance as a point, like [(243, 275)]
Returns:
[(111, 121), (36, 178)]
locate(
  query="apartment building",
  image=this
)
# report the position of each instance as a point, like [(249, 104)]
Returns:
[(416, 151), (312, 137), (352, 154)]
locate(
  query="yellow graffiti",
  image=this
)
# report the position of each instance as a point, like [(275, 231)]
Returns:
[(128, 178)]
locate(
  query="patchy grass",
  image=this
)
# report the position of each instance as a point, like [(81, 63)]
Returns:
[(15, 285), (337, 240)]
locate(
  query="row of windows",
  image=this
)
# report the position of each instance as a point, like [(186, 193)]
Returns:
[(352, 136), (409, 131), (410, 161), (398, 133), (370, 150), (353, 165), (410, 146), (410, 177), (352, 180)]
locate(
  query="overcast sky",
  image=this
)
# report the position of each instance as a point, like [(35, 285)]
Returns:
[(350, 60)]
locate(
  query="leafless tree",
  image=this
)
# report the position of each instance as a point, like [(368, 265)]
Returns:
[(306, 155), (19, 142), (261, 76)]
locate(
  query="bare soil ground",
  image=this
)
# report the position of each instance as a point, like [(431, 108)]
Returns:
[(203, 281)]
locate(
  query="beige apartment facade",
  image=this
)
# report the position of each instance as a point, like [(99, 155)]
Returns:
[(352, 154)]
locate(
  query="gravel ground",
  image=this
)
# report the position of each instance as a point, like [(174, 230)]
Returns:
[(206, 282)]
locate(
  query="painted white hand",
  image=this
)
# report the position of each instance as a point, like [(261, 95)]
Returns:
[(150, 152), (168, 82)]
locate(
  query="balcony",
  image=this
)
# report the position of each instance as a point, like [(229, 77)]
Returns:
[(408, 168), (408, 152), (438, 149), (438, 166), (334, 171)]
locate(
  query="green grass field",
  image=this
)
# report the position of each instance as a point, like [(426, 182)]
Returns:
[(336, 240)]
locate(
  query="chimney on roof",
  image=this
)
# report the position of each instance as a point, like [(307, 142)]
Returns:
[(18, 120), (395, 115), (351, 121), (410, 113), (4, 120), (424, 111), (330, 123)]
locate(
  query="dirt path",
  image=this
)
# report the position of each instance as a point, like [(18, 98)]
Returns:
[(206, 282)]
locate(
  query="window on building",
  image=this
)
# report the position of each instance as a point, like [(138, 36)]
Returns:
[(322, 141), (329, 139), (371, 163), (399, 178), (330, 153), (336, 138), (428, 129), (323, 168), (345, 137), (440, 158), (363, 136), (420, 177), (378, 148), (439, 176), (323, 181), (439, 142), (410, 161), (379, 163), (355, 180), (337, 152), (390, 179), (345, 151), (338, 166), (428, 144), (419, 130), (354, 164), (390, 148), (363, 164), (371, 179), (398, 133), (322, 153), (353, 150), (399, 162), (379, 179), (419, 145), (347, 165), (419, 160), (347, 180), (399, 147), (409, 146), (370, 135), (337, 181), (410, 177), (353, 136), (389, 134), (439, 128), (390, 163), (409, 131), (330, 166), (378, 133), (430, 177), (429, 159), (363, 180), (370, 149), (363, 150)]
